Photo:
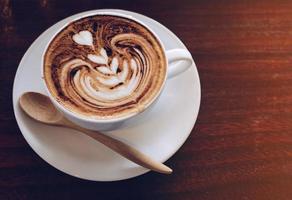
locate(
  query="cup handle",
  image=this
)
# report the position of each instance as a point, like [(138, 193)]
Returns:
[(179, 60)]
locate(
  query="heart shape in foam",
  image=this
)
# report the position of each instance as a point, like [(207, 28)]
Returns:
[(83, 38)]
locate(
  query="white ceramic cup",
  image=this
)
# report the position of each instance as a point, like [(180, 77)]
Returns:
[(178, 60)]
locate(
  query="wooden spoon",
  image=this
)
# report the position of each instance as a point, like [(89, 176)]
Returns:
[(40, 108)]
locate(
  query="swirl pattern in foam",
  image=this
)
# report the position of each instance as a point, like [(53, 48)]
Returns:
[(104, 67)]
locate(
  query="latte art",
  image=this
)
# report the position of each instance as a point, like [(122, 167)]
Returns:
[(104, 67)]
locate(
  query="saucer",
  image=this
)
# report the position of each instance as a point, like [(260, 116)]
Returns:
[(158, 133)]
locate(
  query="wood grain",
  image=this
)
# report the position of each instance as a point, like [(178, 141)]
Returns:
[(241, 145)]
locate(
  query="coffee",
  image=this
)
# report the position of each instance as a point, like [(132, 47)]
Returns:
[(104, 67)]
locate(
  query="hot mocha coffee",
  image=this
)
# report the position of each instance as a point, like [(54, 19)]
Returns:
[(104, 67)]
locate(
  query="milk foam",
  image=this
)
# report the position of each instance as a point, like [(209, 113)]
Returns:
[(105, 92), (105, 71), (83, 38)]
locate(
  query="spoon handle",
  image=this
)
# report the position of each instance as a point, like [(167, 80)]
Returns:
[(125, 150)]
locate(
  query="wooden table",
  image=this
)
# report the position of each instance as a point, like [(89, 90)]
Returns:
[(241, 145)]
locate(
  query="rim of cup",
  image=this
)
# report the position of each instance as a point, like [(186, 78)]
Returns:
[(101, 120)]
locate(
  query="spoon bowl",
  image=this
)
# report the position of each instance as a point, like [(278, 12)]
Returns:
[(40, 108)]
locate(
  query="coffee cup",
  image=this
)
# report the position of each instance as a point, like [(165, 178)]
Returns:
[(175, 61)]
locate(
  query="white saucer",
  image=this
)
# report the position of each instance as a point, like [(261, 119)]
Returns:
[(158, 133)]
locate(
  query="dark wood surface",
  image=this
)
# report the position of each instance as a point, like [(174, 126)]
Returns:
[(241, 145)]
